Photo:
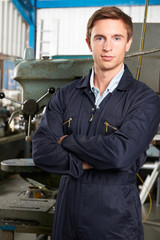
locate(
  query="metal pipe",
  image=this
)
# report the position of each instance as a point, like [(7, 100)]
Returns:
[(135, 54)]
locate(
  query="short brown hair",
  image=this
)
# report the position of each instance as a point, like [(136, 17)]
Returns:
[(110, 13)]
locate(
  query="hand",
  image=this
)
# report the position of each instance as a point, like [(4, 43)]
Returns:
[(86, 166), (61, 138)]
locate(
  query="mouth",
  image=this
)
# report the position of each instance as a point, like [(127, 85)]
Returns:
[(107, 58)]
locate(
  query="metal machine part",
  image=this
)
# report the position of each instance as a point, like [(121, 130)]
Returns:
[(27, 170), (36, 76), (29, 108), (39, 79), (18, 213)]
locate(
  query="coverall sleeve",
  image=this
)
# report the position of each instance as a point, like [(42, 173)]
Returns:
[(46, 152), (122, 148)]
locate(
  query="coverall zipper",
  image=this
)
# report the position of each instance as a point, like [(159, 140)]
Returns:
[(68, 121), (109, 125)]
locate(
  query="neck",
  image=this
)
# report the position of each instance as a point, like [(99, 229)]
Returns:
[(103, 78)]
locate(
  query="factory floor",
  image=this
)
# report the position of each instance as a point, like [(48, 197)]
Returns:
[(152, 224), (13, 185)]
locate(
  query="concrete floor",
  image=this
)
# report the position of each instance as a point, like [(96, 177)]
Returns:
[(152, 224), (13, 185)]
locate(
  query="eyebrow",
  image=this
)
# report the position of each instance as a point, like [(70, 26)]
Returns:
[(118, 35), (114, 35), (99, 35)]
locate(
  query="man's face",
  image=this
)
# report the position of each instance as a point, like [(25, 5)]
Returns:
[(108, 44)]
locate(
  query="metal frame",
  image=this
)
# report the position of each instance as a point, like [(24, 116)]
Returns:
[(149, 181), (90, 3)]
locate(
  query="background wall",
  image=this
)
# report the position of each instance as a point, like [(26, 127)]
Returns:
[(13, 30), (61, 31)]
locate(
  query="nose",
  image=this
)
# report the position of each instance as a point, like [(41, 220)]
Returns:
[(107, 46)]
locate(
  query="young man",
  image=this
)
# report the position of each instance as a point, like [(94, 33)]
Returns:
[(95, 132)]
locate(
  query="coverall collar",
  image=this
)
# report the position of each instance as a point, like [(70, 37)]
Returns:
[(124, 84)]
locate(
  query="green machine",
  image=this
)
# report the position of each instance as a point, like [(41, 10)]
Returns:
[(41, 78)]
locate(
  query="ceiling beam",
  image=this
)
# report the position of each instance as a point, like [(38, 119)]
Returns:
[(90, 3)]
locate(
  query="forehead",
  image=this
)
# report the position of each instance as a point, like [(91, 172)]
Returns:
[(109, 26)]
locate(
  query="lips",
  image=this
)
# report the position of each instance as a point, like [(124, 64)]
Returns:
[(107, 58)]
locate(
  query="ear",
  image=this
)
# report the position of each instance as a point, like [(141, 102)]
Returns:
[(128, 45), (89, 44)]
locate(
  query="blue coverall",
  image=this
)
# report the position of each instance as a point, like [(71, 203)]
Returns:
[(101, 203)]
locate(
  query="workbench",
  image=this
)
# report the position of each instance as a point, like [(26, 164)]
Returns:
[(27, 216), (18, 213)]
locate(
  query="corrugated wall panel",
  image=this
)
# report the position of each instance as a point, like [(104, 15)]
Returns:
[(5, 29), (23, 39), (12, 30), (14, 39), (19, 32), (1, 26), (72, 26)]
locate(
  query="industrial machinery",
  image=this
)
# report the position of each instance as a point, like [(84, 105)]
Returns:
[(40, 78)]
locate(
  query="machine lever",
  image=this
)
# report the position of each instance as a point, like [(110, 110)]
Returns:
[(2, 95), (50, 91), (28, 137)]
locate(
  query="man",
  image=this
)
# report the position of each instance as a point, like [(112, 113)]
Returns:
[(95, 132)]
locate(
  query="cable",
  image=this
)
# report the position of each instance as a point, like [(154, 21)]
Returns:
[(150, 208), (142, 39)]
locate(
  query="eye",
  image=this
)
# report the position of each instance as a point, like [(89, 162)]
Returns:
[(116, 38), (99, 38)]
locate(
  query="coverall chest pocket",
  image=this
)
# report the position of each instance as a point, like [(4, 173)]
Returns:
[(69, 123), (110, 127)]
